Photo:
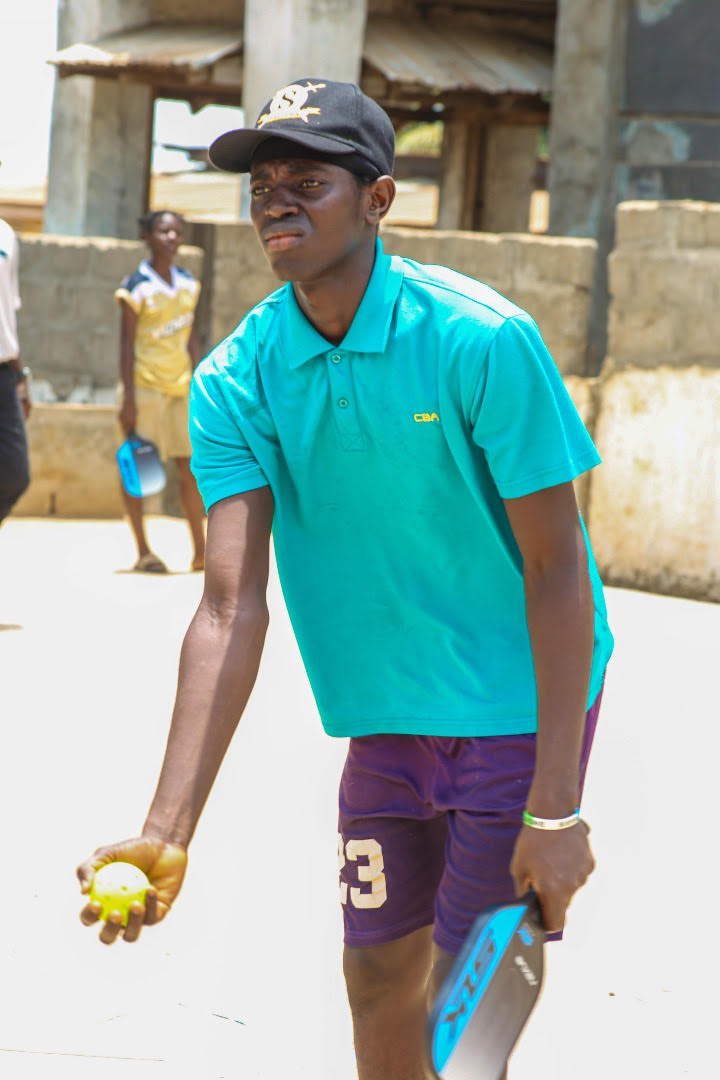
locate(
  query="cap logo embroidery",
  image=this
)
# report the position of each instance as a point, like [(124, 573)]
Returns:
[(288, 104)]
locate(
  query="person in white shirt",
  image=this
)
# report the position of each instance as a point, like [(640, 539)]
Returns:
[(14, 387)]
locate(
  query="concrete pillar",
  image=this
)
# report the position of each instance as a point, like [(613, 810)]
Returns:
[(99, 167), (510, 160), (589, 55), (292, 39), (459, 170)]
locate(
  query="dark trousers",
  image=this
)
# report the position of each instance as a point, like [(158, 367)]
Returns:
[(14, 464)]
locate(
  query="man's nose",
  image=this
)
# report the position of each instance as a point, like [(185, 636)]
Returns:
[(280, 204)]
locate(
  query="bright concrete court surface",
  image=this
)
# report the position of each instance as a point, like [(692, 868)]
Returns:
[(243, 980)]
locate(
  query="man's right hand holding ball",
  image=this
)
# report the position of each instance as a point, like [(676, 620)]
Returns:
[(163, 864)]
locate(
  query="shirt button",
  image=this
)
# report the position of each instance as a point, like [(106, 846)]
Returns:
[(336, 358), (343, 402)]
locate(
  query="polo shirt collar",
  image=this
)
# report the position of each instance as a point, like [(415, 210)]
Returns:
[(369, 329)]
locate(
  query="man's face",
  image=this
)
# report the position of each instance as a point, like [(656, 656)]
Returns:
[(309, 216)]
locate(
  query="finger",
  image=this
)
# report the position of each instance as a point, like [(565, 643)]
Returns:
[(136, 916), (90, 914), (151, 907), (112, 928), (84, 875), (86, 872), (521, 881), (553, 910)]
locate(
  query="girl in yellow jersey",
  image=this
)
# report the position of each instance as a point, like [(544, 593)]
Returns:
[(158, 353)]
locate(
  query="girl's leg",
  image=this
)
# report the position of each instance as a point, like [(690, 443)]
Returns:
[(146, 560), (194, 511)]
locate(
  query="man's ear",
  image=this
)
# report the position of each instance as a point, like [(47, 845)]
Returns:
[(380, 198)]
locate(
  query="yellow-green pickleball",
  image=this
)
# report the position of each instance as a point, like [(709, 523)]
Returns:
[(116, 886)]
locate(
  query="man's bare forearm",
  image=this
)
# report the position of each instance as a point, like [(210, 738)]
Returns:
[(560, 615), (218, 667)]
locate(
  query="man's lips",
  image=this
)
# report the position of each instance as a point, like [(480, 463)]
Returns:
[(281, 240)]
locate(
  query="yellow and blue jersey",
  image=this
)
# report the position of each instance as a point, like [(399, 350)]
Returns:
[(165, 314)]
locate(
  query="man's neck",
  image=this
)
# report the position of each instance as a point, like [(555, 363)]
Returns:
[(331, 301)]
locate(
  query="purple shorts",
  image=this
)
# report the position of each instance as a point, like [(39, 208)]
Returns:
[(427, 830)]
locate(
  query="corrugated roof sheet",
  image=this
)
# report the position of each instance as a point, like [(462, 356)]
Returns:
[(434, 56), (456, 57), (181, 49)]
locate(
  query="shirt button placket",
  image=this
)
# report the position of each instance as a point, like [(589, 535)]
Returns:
[(343, 398)]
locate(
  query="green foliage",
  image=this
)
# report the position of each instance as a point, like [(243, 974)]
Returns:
[(420, 138), (543, 144)]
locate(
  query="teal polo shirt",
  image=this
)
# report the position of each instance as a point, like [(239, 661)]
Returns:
[(389, 456)]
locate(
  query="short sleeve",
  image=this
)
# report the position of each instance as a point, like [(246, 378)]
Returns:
[(523, 417), (222, 461), (189, 281), (132, 299)]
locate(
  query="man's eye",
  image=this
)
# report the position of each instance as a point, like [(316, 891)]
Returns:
[(310, 182), (258, 189)]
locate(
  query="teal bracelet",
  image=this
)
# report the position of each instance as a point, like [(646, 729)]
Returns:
[(551, 823)]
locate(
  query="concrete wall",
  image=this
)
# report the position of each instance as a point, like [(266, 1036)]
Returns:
[(73, 469), (664, 282), (72, 454), (69, 323), (548, 276), (655, 505)]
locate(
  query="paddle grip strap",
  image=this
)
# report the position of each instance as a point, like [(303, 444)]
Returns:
[(551, 823)]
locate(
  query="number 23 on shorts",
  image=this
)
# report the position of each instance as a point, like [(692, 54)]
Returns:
[(370, 871)]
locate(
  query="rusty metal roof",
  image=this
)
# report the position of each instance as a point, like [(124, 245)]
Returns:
[(410, 54), (182, 50), (451, 56)]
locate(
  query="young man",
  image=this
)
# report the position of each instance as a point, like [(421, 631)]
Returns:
[(158, 353), (14, 386), (406, 434)]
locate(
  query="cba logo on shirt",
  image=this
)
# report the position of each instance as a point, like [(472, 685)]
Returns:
[(426, 417)]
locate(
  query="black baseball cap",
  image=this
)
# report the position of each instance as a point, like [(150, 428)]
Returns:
[(330, 121)]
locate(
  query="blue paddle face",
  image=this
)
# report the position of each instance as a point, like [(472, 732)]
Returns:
[(141, 469), (488, 995)]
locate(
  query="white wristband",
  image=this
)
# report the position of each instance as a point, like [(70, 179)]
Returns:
[(551, 823)]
